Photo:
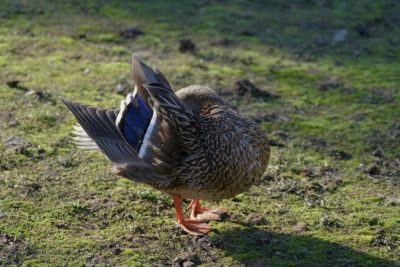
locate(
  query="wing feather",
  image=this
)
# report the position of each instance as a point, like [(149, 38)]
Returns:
[(99, 125), (176, 113)]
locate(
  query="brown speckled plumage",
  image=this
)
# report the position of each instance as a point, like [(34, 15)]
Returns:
[(231, 153)]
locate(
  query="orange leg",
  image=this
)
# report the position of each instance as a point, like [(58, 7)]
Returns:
[(207, 214), (193, 227)]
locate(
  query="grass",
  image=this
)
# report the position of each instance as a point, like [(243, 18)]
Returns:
[(330, 196)]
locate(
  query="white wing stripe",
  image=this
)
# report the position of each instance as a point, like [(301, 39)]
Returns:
[(149, 132)]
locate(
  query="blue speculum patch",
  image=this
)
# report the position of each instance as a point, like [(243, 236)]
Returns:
[(135, 121)]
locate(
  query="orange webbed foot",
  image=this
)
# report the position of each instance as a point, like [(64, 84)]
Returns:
[(207, 214), (193, 227)]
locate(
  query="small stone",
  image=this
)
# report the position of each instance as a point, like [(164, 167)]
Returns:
[(268, 177), (361, 167), (275, 117), (281, 209), (61, 225), (392, 201), (316, 186), (13, 83), (280, 134), (340, 155), (255, 219), (12, 123), (186, 45), (300, 227), (67, 163), (362, 30), (204, 241), (120, 89), (378, 153), (314, 200), (340, 36), (188, 264), (182, 75), (44, 96), (328, 222), (372, 169), (131, 33), (129, 217), (245, 87), (292, 190), (34, 187), (329, 84), (186, 261), (16, 143), (275, 143), (30, 93), (279, 253), (116, 251), (41, 153)]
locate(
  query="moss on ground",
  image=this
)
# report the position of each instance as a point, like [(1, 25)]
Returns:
[(330, 196)]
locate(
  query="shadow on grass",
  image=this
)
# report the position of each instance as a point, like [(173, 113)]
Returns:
[(255, 247), (303, 27)]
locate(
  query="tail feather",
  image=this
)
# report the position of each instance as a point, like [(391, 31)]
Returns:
[(83, 140), (143, 74)]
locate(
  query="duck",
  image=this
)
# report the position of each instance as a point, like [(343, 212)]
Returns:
[(189, 144)]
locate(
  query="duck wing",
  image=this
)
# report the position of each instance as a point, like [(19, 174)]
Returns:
[(149, 136), (160, 144), (99, 125)]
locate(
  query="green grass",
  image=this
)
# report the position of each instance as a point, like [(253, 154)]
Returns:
[(328, 198)]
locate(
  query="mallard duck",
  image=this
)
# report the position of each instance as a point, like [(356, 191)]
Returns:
[(189, 144)]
